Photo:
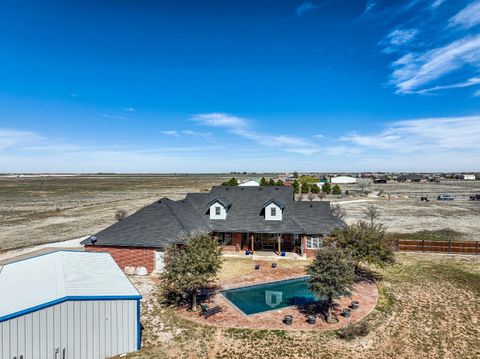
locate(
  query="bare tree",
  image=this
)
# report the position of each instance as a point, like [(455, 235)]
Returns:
[(311, 196), (338, 211), (322, 195), (121, 214), (372, 213)]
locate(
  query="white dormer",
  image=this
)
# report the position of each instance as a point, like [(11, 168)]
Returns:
[(218, 209), (273, 210)]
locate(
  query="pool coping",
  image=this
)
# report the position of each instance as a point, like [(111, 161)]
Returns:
[(256, 285)]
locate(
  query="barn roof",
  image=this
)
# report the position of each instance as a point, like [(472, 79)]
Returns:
[(39, 282)]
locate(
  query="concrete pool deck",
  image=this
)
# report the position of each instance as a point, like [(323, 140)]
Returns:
[(366, 293)]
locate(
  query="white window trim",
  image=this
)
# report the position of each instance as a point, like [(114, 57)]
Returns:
[(314, 242), (218, 210)]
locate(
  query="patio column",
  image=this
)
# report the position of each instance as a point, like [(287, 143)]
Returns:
[(279, 243), (252, 242)]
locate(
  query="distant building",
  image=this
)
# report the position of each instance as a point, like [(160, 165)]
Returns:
[(468, 177), (411, 177), (250, 184), (343, 180)]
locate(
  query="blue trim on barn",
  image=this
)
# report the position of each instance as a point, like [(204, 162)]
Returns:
[(65, 299)]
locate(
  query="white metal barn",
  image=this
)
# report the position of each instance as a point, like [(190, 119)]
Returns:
[(67, 305), (343, 180)]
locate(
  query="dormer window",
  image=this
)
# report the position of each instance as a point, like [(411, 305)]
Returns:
[(218, 208), (273, 210)]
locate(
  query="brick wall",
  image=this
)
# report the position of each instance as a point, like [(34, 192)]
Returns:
[(128, 256)]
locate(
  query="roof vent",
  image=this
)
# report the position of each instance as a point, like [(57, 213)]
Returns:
[(241, 188), (260, 188), (276, 188), (311, 205), (226, 189)]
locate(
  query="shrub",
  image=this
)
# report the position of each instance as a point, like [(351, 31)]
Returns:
[(121, 214), (352, 331), (336, 190)]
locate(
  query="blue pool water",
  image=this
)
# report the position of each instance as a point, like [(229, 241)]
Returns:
[(275, 295)]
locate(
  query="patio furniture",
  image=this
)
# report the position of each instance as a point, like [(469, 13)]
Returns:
[(354, 305), (311, 319), (257, 266), (283, 254), (207, 312), (247, 252), (288, 320), (274, 265), (347, 313)]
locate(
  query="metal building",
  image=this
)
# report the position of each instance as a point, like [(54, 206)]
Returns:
[(67, 305)]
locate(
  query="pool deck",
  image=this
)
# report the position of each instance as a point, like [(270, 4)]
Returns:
[(365, 293)]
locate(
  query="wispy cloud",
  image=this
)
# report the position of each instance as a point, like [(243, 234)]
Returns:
[(113, 117), (241, 127), (414, 70), (437, 3), (470, 82), (128, 109), (397, 39), (424, 136), (172, 133), (467, 17), (10, 138), (305, 8)]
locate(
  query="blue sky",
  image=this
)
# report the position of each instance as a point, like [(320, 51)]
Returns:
[(212, 86)]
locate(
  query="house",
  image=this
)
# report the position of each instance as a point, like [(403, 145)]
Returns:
[(249, 184), (380, 180), (264, 218), (67, 304), (468, 177), (343, 180), (411, 177)]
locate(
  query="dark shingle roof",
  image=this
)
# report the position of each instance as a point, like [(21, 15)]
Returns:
[(162, 222)]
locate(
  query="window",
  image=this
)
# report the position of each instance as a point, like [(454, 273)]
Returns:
[(314, 242), (273, 211), (217, 210)]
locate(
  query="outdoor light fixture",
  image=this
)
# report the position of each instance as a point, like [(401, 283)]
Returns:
[(93, 240)]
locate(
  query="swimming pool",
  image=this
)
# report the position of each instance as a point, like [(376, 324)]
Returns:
[(269, 296)]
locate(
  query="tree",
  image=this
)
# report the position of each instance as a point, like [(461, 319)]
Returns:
[(372, 213), (305, 188), (314, 188), (332, 276), (231, 182), (336, 190), (263, 182), (296, 186), (366, 243), (311, 196), (338, 211), (271, 182), (279, 183), (190, 268), (327, 188), (121, 214), (295, 174)]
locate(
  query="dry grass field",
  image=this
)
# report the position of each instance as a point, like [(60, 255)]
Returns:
[(428, 308), (36, 210)]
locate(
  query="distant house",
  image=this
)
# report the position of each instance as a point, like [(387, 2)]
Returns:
[(250, 183), (468, 177), (380, 180), (343, 180), (261, 218), (411, 177)]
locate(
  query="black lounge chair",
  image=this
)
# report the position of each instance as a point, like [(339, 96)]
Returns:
[(206, 311)]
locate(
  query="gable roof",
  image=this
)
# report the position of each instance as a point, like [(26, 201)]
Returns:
[(162, 222), (223, 201), (48, 279), (274, 200)]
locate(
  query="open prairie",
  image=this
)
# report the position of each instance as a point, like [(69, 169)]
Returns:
[(36, 210)]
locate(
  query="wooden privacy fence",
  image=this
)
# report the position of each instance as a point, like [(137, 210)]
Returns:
[(429, 246)]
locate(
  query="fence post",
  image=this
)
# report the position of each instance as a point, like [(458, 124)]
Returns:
[(449, 246), (423, 245)]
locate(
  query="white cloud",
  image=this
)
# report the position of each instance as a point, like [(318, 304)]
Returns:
[(113, 117), (467, 17), (413, 70), (305, 8), (397, 39), (437, 3), (128, 109), (470, 82), (241, 127), (10, 138), (170, 133), (424, 136)]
